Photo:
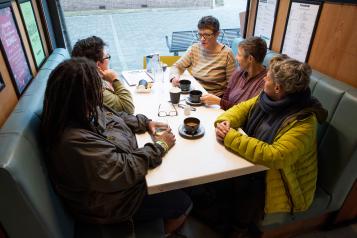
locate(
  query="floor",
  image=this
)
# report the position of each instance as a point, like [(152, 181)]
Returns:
[(196, 229)]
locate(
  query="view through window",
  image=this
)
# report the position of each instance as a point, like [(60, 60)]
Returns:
[(134, 28)]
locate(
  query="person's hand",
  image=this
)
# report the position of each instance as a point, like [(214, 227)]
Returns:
[(153, 126), (176, 81), (166, 137), (210, 99), (222, 129), (108, 74)]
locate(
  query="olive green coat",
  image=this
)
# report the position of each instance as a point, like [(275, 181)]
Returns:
[(118, 98)]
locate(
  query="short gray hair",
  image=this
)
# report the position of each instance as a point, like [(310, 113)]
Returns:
[(291, 74), (254, 46)]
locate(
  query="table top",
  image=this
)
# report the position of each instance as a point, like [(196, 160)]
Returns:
[(190, 161)]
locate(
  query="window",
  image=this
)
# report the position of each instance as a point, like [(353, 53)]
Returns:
[(133, 29)]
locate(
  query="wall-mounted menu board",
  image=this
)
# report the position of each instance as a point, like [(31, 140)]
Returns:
[(300, 29), (2, 84), (265, 19), (33, 34), (13, 50)]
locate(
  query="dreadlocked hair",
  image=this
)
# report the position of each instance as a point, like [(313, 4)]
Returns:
[(73, 95)]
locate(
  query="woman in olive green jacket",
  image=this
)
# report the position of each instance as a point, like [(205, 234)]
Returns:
[(281, 125)]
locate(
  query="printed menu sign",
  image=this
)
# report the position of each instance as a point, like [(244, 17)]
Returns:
[(32, 31), (13, 49), (301, 23), (265, 19)]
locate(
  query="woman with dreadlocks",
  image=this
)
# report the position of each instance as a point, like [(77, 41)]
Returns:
[(94, 160)]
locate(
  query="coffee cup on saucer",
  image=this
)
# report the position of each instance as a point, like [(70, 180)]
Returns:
[(185, 84), (191, 125), (195, 96)]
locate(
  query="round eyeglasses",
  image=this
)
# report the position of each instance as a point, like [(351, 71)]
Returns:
[(170, 113), (205, 36)]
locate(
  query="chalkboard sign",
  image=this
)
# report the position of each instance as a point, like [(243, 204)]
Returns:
[(13, 50), (32, 32), (2, 84)]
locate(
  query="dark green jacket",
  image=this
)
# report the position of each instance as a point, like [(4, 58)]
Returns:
[(100, 173)]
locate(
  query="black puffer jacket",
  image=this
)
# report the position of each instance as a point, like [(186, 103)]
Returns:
[(100, 173)]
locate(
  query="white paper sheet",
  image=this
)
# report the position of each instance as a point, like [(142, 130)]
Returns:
[(265, 19), (299, 30), (132, 77)]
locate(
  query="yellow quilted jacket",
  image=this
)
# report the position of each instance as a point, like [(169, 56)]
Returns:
[(292, 157)]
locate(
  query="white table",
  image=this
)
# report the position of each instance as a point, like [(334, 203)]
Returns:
[(189, 162)]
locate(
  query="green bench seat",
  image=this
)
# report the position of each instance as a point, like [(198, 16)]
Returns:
[(29, 207), (337, 147)]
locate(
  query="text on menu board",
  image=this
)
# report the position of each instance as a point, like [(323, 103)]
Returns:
[(32, 30), (14, 51), (265, 19), (299, 31)]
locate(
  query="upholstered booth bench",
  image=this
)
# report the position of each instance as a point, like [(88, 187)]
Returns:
[(337, 152), (28, 205)]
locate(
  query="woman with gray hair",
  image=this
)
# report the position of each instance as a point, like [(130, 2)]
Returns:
[(247, 80), (281, 127)]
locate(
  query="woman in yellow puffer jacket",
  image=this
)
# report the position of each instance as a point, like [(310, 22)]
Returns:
[(281, 125)]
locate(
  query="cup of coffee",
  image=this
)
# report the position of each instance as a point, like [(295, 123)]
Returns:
[(175, 95), (195, 96), (185, 84), (143, 84), (191, 125)]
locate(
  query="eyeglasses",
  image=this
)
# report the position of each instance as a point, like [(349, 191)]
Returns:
[(205, 36), (171, 113), (107, 57)]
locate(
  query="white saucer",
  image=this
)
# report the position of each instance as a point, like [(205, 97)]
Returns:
[(196, 104)]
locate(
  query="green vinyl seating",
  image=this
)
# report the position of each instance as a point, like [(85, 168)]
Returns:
[(29, 207), (337, 147)]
